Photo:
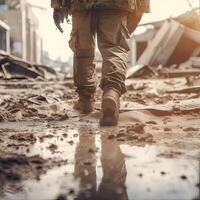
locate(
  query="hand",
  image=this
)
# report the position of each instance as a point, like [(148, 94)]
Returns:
[(59, 16)]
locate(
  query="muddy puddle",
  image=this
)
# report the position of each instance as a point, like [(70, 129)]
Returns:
[(84, 163)]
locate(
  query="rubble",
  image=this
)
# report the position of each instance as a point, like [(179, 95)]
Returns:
[(15, 68), (166, 42), (163, 44), (15, 167), (32, 107)]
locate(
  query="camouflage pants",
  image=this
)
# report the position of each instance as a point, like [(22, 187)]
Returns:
[(110, 27)]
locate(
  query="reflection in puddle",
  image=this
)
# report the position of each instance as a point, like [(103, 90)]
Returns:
[(100, 169)]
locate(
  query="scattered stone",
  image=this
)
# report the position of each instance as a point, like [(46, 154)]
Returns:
[(24, 137), (71, 142), (121, 139), (132, 137), (53, 147), (183, 177), (111, 137), (150, 140), (45, 137), (152, 122), (75, 135), (119, 135), (65, 135), (145, 137), (163, 173), (138, 128), (166, 129), (191, 129), (140, 175)]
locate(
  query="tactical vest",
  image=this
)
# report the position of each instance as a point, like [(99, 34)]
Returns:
[(77, 5), (80, 5)]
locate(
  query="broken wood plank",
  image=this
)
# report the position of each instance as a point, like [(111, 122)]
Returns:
[(146, 57), (169, 44), (185, 106), (179, 73), (192, 89), (163, 45)]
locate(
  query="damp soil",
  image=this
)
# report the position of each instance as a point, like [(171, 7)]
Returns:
[(50, 151)]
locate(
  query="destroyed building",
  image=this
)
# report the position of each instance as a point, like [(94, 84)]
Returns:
[(25, 41), (164, 42)]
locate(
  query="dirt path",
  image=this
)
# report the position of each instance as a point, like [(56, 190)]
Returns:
[(49, 151)]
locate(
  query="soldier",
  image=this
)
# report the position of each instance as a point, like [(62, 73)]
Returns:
[(111, 21)]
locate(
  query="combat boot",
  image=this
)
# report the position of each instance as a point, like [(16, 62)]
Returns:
[(84, 104), (110, 108)]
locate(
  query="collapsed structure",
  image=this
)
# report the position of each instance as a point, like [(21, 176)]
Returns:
[(24, 39), (168, 42)]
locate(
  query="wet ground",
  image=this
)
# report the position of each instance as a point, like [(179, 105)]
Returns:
[(51, 152)]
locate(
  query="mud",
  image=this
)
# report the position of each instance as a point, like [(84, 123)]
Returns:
[(50, 151)]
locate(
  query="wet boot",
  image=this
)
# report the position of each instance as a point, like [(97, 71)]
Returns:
[(84, 104), (110, 108)]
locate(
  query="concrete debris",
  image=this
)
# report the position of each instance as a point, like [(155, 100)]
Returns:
[(193, 89), (15, 68), (171, 73), (165, 43), (32, 107), (179, 107)]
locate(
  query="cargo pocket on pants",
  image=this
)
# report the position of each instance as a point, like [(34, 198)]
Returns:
[(73, 41)]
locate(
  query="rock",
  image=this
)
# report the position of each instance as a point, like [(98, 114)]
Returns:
[(166, 129), (163, 173), (183, 177), (53, 147), (145, 137), (111, 137), (24, 137), (138, 128), (191, 129), (140, 175), (151, 122)]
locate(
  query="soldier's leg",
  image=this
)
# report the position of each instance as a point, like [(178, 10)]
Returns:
[(112, 42), (82, 43), (112, 35)]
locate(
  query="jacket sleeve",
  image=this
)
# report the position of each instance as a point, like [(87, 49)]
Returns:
[(55, 4)]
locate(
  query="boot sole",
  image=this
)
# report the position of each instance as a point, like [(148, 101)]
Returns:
[(109, 109)]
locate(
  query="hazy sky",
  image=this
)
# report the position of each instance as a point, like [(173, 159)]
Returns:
[(57, 44)]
